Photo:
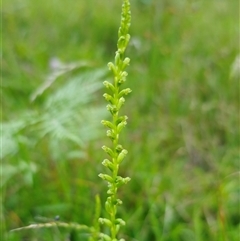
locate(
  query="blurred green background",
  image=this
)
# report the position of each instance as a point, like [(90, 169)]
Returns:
[(183, 129)]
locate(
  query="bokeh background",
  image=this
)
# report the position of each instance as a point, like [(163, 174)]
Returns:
[(183, 129)]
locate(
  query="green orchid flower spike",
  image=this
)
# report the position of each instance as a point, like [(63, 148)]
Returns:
[(116, 153)]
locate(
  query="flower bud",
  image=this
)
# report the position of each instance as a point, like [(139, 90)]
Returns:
[(120, 221), (119, 148), (121, 101), (108, 150), (117, 59), (112, 67), (111, 134), (121, 119), (121, 156), (108, 98), (120, 180), (108, 164), (107, 124), (121, 125), (106, 177), (112, 109), (105, 221), (108, 85), (124, 92), (105, 237)]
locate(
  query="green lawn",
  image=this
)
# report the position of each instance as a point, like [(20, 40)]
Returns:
[(183, 130)]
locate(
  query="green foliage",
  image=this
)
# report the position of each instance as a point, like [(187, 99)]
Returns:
[(65, 123), (182, 138)]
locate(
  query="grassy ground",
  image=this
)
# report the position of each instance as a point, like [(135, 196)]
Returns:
[(183, 130)]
